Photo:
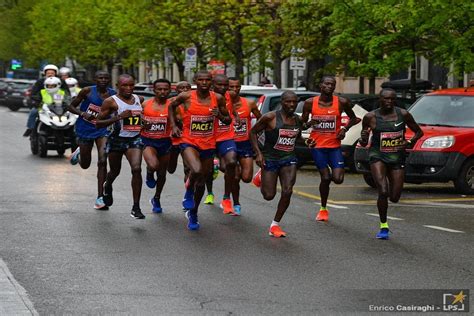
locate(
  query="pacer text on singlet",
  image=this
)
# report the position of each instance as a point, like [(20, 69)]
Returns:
[(202, 125), (391, 141)]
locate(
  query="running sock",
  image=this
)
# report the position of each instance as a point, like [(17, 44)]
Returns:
[(383, 225), (226, 197), (136, 205), (275, 224), (323, 208)]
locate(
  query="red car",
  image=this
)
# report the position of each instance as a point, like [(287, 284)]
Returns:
[(446, 150)]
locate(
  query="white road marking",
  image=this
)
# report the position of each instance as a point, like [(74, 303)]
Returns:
[(456, 205), (389, 217), (444, 229)]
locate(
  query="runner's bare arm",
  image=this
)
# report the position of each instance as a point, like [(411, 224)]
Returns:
[(222, 113), (366, 125), (236, 115), (73, 106), (307, 108), (254, 109), (106, 110), (345, 106), (410, 122), (173, 109), (261, 125)]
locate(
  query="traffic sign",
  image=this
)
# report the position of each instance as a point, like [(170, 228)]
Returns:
[(297, 63)]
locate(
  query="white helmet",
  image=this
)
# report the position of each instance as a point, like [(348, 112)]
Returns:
[(71, 82), (50, 67), (52, 84), (64, 71)]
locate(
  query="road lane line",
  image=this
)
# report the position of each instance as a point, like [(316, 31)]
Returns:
[(444, 229), (448, 205), (389, 217)]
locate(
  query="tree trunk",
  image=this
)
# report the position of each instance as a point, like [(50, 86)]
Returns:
[(313, 73), (239, 53), (413, 79), (277, 59), (372, 84), (180, 65)]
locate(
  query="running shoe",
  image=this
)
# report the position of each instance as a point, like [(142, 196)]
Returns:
[(108, 198), (137, 213), (236, 210), (188, 200), (257, 178), (323, 216), (150, 179), (155, 205), (226, 205), (193, 223), (276, 231), (209, 199), (99, 204), (74, 159), (215, 170), (383, 233)]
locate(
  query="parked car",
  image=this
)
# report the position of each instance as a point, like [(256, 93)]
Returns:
[(270, 100), (446, 151), (17, 93)]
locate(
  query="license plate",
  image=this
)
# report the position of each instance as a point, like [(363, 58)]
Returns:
[(15, 94)]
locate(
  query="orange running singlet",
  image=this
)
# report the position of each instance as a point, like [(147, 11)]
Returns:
[(242, 133), (225, 132), (155, 121), (198, 123), (328, 124)]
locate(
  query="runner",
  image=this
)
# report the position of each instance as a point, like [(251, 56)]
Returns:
[(245, 153), (278, 160), (387, 151), (181, 86), (225, 144), (90, 100), (156, 136), (200, 108), (124, 140), (327, 133)]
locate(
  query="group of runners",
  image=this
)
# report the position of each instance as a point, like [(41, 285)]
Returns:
[(214, 124)]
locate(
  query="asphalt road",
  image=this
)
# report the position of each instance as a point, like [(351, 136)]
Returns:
[(72, 259)]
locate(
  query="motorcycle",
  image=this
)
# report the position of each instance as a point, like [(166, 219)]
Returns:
[(54, 130)]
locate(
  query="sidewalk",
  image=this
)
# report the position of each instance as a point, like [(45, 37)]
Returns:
[(13, 297)]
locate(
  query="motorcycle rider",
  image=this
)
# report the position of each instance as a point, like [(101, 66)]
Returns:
[(73, 86), (64, 73), (36, 97), (52, 92)]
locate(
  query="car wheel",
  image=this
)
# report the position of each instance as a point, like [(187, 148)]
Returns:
[(464, 183), (14, 107), (42, 146), (369, 180)]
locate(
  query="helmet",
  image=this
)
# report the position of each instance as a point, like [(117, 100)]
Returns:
[(64, 71), (52, 84), (50, 67), (71, 82)]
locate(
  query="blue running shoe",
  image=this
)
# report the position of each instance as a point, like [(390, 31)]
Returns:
[(156, 205), (237, 210), (383, 233), (188, 200), (75, 156), (150, 180), (193, 223)]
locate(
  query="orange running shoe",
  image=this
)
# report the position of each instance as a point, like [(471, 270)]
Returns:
[(323, 216), (226, 205), (276, 231), (257, 178)]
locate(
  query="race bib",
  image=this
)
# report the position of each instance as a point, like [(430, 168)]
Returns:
[(221, 127), (286, 140), (93, 110), (324, 123), (202, 125), (133, 123), (241, 131), (155, 126), (391, 141)]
